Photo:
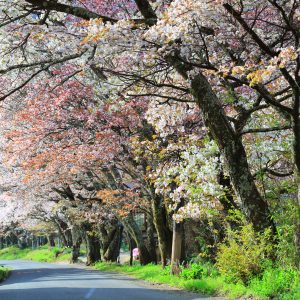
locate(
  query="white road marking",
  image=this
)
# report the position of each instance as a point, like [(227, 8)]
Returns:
[(90, 293)]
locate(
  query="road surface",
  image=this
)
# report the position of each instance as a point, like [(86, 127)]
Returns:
[(43, 281)]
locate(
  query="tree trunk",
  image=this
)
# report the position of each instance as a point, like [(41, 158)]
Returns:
[(231, 146), (51, 240), (64, 232), (150, 238), (107, 234), (162, 229), (113, 250), (77, 240), (132, 245), (136, 233), (177, 242), (93, 248)]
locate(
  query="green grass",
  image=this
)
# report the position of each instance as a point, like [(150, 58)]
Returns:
[(275, 283), (41, 254), (155, 274), (4, 273)]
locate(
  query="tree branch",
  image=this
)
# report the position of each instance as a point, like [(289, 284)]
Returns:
[(261, 130), (76, 11), (146, 10)]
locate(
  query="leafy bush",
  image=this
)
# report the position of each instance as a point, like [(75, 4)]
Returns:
[(273, 283), (194, 271), (4, 272), (276, 283), (244, 254), (198, 271)]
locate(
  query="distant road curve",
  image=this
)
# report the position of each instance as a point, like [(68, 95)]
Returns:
[(44, 281)]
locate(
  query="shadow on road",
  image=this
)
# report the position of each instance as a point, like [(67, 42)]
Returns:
[(42, 281), (93, 294), (63, 274)]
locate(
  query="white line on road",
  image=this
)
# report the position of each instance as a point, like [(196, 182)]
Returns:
[(90, 293)]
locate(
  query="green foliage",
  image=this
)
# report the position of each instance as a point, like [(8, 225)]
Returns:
[(198, 271), (276, 283), (156, 274), (244, 254), (13, 252), (41, 254), (280, 195), (4, 273), (272, 283)]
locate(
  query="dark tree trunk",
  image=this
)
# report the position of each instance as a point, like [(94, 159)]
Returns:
[(150, 238), (113, 250), (253, 205), (51, 240), (77, 240), (107, 234), (103, 237), (93, 248), (13, 238), (131, 246), (64, 232), (136, 233), (231, 146), (164, 235)]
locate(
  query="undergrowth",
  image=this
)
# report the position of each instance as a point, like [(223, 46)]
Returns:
[(274, 283)]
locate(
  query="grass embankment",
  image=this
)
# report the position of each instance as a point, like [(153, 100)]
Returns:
[(274, 283), (41, 254), (4, 272)]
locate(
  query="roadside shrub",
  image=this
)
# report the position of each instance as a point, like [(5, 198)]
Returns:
[(4, 272), (244, 254), (276, 283), (194, 271), (198, 271), (57, 250)]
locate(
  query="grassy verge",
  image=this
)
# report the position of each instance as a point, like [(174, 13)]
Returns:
[(273, 284), (41, 254), (4, 272), (155, 274)]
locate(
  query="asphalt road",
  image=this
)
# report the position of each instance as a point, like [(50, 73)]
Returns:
[(43, 281)]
